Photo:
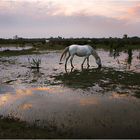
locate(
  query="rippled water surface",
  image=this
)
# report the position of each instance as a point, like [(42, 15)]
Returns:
[(86, 102), (14, 48)]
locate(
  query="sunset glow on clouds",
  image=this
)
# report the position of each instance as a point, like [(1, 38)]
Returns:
[(69, 18)]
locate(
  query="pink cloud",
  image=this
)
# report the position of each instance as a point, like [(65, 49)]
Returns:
[(134, 10), (132, 13)]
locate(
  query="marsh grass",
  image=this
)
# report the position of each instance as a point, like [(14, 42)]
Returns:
[(15, 128), (34, 63)]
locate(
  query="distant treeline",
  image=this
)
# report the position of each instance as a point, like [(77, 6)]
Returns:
[(119, 42), (112, 42), (21, 40)]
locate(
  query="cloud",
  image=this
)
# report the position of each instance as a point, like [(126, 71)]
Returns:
[(67, 26), (132, 13), (135, 11), (39, 18)]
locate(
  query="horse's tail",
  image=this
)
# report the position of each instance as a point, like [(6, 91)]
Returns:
[(64, 53)]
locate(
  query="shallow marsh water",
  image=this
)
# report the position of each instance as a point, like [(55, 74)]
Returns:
[(87, 103), (14, 47)]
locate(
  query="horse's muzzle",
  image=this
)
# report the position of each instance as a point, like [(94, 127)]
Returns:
[(99, 66)]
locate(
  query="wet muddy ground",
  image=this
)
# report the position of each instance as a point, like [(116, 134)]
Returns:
[(84, 103)]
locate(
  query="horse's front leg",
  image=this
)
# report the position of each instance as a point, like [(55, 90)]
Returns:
[(88, 62), (71, 61)]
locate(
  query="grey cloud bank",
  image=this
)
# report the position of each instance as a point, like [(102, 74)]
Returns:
[(32, 21)]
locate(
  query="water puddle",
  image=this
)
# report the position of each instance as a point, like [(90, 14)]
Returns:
[(14, 48), (78, 100)]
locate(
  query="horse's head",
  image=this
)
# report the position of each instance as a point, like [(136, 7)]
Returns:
[(98, 61)]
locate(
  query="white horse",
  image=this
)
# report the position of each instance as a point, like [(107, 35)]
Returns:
[(81, 51)]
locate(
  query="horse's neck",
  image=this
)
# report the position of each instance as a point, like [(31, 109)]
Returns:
[(95, 54)]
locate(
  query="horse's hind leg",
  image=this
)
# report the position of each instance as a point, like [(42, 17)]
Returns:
[(84, 61), (71, 61), (67, 60)]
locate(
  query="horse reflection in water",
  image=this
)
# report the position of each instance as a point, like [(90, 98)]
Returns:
[(81, 51)]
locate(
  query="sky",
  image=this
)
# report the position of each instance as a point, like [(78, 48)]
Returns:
[(69, 18)]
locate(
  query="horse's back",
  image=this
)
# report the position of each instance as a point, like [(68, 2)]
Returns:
[(80, 50)]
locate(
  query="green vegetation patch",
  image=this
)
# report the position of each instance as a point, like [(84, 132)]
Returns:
[(89, 77)]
